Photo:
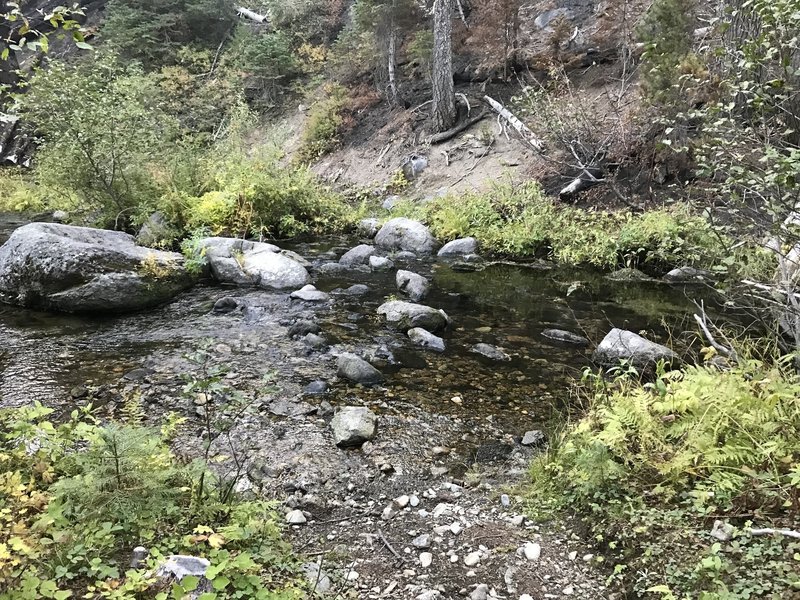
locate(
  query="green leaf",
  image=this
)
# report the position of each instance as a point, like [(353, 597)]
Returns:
[(84, 46), (220, 583), (190, 583)]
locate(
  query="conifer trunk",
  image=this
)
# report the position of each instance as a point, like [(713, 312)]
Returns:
[(444, 98)]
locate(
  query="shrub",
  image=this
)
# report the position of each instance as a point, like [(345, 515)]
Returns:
[(268, 63), (325, 119), (651, 465)]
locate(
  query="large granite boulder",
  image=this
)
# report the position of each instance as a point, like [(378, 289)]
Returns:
[(407, 315), (241, 262), (459, 247), (414, 285), (620, 344), (406, 234), (50, 266)]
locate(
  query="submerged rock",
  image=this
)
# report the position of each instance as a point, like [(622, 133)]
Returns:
[(415, 286), (303, 327), (489, 351), (359, 289), (620, 344), (380, 263), (406, 234), (353, 425), (459, 247), (407, 315), (77, 269), (357, 256), (241, 262), (225, 305), (426, 339), (356, 369), (566, 337)]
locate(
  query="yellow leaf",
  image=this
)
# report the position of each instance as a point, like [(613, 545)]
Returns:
[(215, 540)]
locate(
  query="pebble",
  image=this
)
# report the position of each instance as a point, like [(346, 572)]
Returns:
[(454, 558), (526, 597), (425, 559), (455, 528), (352, 576), (422, 541), (505, 500), (402, 501), (480, 593), (573, 555), (296, 517), (413, 501), (568, 591), (532, 551), (472, 559), (588, 557)]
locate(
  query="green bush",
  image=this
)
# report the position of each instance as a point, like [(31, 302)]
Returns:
[(650, 466), (321, 134), (268, 62)]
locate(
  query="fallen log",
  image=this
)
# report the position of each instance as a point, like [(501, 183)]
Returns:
[(251, 14), (451, 133), (527, 135)]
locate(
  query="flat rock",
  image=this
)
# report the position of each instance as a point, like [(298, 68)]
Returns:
[(241, 262), (357, 256), (426, 339), (413, 285), (491, 352), (628, 274), (316, 388), (353, 425), (359, 289), (535, 437), (356, 369), (49, 266), (407, 315), (459, 247), (565, 337), (405, 234), (308, 293), (619, 345)]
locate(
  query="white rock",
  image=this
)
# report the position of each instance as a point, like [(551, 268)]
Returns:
[(573, 555), (588, 557), (518, 520), (480, 593), (568, 591), (472, 559), (455, 528), (532, 551), (425, 559), (526, 597), (352, 575), (402, 501), (296, 517), (422, 541), (454, 558), (414, 501)]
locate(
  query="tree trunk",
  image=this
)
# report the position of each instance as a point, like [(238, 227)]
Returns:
[(392, 64), (444, 98)]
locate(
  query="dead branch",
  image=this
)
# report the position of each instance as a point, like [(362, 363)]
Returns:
[(770, 531), (252, 15), (702, 321), (389, 546), (451, 133), (527, 135), (423, 105), (466, 101)]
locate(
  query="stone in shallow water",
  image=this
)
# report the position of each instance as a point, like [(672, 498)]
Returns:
[(358, 289), (380, 263), (356, 369), (225, 305), (407, 315), (426, 339), (625, 345), (489, 351), (357, 256), (566, 337), (414, 285), (241, 262), (459, 247), (406, 234), (309, 293)]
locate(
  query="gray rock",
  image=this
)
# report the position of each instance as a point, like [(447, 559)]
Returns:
[(178, 566), (481, 592), (390, 202), (544, 20), (60, 216), (358, 289), (405, 256), (356, 369), (283, 407), (368, 227), (460, 247), (155, 231), (225, 305), (332, 269), (320, 582), (353, 425), (405, 234), (621, 345), (241, 262), (139, 555), (316, 388), (566, 337), (413, 166), (489, 351), (407, 315), (426, 339), (422, 541), (303, 327), (357, 256), (535, 437), (722, 531), (309, 293), (325, 409), (413, 285), (687, 275), (76, 269), (379, 263), (296, 517), (628, 274), (317, 342)]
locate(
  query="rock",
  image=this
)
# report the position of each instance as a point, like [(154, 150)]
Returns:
[(406, 315), (60, 216), (568, 591), (316, 388), (319, 579), (480, 593), (628, 274), (405, 234), (455, 527), (296, 517), (139, 555), (315, 342), (472, 559), (303, 327), (356, 369), (526, 597), (425, 559), (358, 289), (505, 500), (331, 269), (429, 595), (426, 339), (544, 20), (405, 256), (687, 275), (379, 263), (422, 541), (308, 293), (532, 551), (357, 256), (225, 305), (241, 262), (390, 202), (353, 425), (155, 232), (413, 166), (489, 351), (722, 531), (283, 407), (402, 501), (459, 247), (625, 345), (76, 269), (368, 227), (566, 337), (413, 285), (178, 566), (535, 437), (325, 409)]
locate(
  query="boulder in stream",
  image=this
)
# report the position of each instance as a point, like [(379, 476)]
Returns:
[(407, 315), (241, 262), (357, 256), (426, 339), (413, 285), (620, 344), (369, 227), (357, 370), (308, 293), (459, 247), (50, 266), (406, 234), (380, 263), (353, 425)]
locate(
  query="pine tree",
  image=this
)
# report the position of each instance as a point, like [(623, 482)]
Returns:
[(444, 99)]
